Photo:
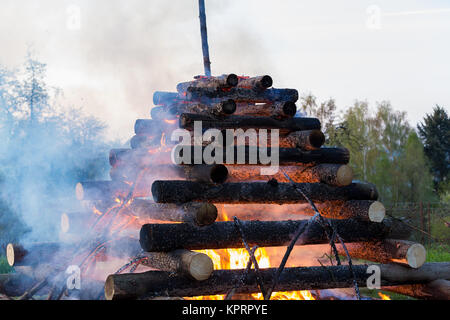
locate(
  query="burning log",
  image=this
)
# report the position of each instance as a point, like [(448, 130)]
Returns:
[(145, 141), (277, 110), (101, 190), (256, 83), (160, 113), (19, 255), (388, 251), (219, 235), (366, 210), (223, 81), (222, 108), (248, 122), (139, 158), (196, 265), (258, 192), (434, 290), (154, 127), (166, 98), (156, 283), (307, 140), (200, 214), (242, 94), (332, 174)]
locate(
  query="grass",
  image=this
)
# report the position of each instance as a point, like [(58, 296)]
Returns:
[(438, 252), (4, 266)]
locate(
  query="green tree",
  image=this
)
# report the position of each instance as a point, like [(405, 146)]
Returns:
[(435, 134)]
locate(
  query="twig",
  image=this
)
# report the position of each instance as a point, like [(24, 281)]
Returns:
[(30, 293), (238, 225), (243, 277)]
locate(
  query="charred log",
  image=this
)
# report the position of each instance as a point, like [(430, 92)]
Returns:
[(157, 283), (196, 265), (169, 237), (256, 83), (224, 81), (219, 109), (277, 110), (33, 254), (242, 94), (332, 174), (388, 251), (434, 290), (258, 192), (307, 140), (200, 214), (248, 122)]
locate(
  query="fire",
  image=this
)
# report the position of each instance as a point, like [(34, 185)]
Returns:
[(174, 121), (384, 296), (237, 259)]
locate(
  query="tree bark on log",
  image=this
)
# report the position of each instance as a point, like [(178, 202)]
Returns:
[(257, 192), (200, 214), (242, 94), (157, 283), (152, 127), (247, 155), (223, 108), (402, 252), (277, 110), (32, 254), (307, 140), (219, 235), (196, 265), (216, 173), (256, 83), (367, 210), (332, 174), (248, 122), (434, 290), (224, 81)]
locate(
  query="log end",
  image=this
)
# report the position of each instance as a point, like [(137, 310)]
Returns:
[(201, 266), (79, 192), (344, 175), (109, 288), (219, 173), (376, 212), (206, 214), (266, 81), (10, 257), (316, 138), (289, 108), (416, 255), (65, 223), (232, 80), (229, 106)]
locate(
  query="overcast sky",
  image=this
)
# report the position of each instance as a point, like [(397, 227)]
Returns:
[(109, 56)]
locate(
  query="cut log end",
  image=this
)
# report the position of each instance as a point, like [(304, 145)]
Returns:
[(65, 223), (229, 106), (109, 288), (200, 266), (344, 175), (266, 81), (416, 255), (289, 108), (79, 192), (10, 254), (232, 80), (316, 138), (206, 214), (376, 212)]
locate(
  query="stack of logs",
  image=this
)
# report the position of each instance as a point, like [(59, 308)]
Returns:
[(189, 202)]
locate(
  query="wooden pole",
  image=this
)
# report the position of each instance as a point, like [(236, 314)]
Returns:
[(204, 34)]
